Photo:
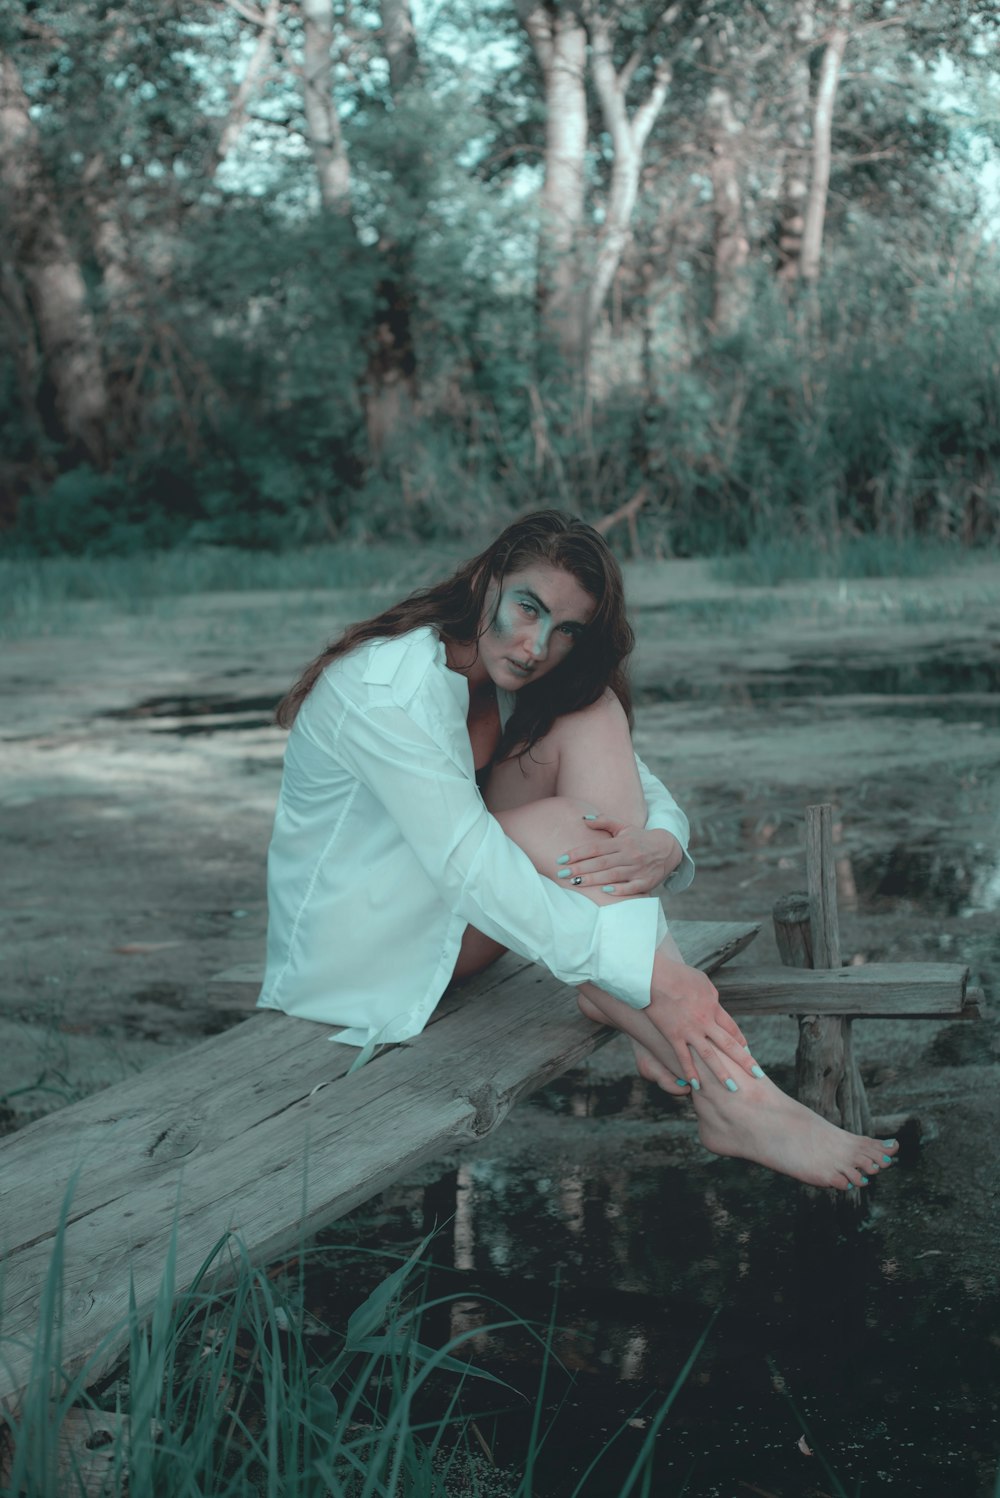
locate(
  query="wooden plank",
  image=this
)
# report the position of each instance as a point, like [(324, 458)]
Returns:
[(248, 1133), (877, 990), (821, 877)]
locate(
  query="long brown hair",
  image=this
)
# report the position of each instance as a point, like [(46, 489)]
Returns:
[(455, 608)]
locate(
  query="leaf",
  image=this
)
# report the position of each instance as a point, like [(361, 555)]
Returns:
[(371, 1313), (397, 1341), (324, 1411)]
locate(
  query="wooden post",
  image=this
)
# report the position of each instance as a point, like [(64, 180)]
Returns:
[(807, 932)]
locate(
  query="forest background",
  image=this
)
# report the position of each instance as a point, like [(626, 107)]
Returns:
[(275, 272)]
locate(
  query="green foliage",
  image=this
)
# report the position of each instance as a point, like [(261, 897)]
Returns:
[(280, 375)]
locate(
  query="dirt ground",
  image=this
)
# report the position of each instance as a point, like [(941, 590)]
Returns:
[(140, 773)]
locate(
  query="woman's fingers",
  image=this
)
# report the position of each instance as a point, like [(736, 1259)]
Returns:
[(736, 1053), (730, 1026)]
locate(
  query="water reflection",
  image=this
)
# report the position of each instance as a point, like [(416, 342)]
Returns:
[(862, 1334)]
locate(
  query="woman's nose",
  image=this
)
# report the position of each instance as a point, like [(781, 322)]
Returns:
[(538, 642)]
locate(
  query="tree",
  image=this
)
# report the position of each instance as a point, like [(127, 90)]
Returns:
[(55, 289), (730, 245), (822, 132), (326, 139), (559, 41)]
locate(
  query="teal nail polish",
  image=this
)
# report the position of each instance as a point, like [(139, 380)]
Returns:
[(755, 1071), (565, 873), (563, 858), (590, 816), (733, 1086), (889, 1143), (607, 889), (864, 1180), (680, 1081), (695, 1084), (850, 1185), (886, 1159)]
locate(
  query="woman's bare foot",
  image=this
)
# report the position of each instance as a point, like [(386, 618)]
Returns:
[(761, 1123)]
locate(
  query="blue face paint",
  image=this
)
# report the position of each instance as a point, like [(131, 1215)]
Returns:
[(518, 607)]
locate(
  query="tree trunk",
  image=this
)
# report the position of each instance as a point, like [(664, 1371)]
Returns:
[(107, 235), (236, 115), (53, 282), (730, 247), (795, 183), (326, 139), (628, 137), (391, 378), (400, 43), (822, 133), (560, 46)]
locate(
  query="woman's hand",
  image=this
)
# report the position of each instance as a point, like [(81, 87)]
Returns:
[(684, 1008), (633, 860)]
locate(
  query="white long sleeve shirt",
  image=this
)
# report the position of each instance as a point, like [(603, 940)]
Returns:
[(383, 852)]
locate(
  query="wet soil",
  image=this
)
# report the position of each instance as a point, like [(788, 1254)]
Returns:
[(140, 768)]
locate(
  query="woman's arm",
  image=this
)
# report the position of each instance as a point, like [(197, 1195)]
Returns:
[(477, 870), (638, 859)]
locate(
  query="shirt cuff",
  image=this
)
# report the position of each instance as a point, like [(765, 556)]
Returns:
[(628, 937), (682, 876)]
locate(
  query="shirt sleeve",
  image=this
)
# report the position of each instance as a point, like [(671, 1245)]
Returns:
[(663, 811), (478, 871)]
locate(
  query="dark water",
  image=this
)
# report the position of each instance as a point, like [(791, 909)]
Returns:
[(963, 686), (883, 1363), (205, 713)]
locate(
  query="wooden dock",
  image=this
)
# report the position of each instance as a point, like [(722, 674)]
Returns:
[(260, 1131)]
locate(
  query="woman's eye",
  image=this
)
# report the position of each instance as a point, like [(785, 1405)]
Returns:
[(529, 608), (568, 631)]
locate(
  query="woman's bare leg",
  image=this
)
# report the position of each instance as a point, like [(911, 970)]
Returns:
[(540, 804)]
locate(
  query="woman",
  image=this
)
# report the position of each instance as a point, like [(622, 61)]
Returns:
[(460, 780)]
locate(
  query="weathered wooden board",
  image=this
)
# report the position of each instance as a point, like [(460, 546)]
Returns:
[(890, 990), (248, 1133)]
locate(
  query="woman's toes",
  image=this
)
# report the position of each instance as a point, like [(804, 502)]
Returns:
[(652, 1070)]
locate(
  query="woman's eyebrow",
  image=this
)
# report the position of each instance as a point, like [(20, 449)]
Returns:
[(530, 593)]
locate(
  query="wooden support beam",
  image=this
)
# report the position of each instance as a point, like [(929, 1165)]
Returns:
[(825, 1068), (877, 990)]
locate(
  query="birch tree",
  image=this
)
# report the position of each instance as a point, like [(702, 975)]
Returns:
[(266, 23), (629, 132), (796, 111), (730, 245), (822, 133), (326, 139), (559, 42)]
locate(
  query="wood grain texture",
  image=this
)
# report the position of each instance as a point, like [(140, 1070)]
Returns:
[(261, 1132), (792, 933), (882, 990)]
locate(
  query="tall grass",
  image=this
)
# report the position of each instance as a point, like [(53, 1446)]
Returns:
[(31, 587), (242, 1394)]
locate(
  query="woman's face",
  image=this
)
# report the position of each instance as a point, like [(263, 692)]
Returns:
[(531, 622)]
